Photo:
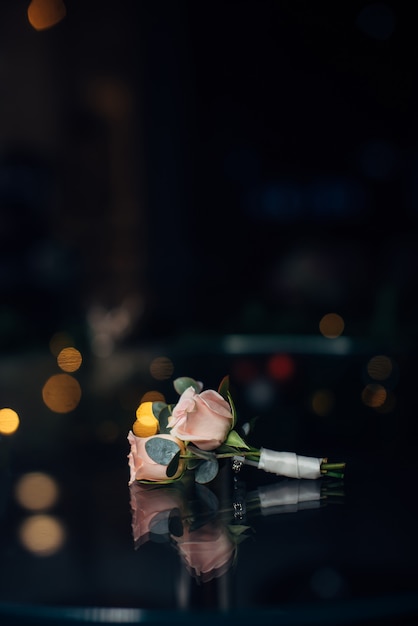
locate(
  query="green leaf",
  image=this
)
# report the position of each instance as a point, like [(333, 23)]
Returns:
[(163, 418), (206, 471), (184, 382), (161, 450), (235, 440), (233, 410), (223, 388), (157, 408), (173, 466)]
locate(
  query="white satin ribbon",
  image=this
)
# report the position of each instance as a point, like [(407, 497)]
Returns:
[(289, 464)]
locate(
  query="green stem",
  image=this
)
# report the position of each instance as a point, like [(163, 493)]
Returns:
[(333, 466)]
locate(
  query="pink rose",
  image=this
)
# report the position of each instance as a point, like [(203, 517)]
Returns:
[(207, 551), (142, 467), (204, 419), (149, 503)]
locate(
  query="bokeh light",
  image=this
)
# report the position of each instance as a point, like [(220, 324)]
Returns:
[(322, 402), (41, 534), (376, 20), (61, 393), (153, 396), (379, 367), (9, 421), (162, 368), (374, 395), (389, 403), (331, 325), (327, 583), (36, 491), (43, 14), (260, 393), (69, 359), (281, 367)]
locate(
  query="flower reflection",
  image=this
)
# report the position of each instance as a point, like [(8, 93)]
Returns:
[(190, 518), (208, 551)]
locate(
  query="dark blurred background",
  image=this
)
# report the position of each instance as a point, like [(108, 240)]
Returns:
[(202, 188), (223, 167)]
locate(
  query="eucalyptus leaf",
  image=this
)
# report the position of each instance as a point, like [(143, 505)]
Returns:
[(206, 471), (157, 408), (163, 417), (161, 450), (184, 382), (173, 465)]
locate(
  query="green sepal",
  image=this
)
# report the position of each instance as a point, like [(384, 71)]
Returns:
[(161, 450), (184, 382), (235, 441), (223, 390), (239, 532), (238, 529)]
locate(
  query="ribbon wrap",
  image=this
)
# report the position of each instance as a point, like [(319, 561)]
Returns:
[(289, 464)]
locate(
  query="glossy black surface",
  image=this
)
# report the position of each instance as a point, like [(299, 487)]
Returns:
[(349, 557)]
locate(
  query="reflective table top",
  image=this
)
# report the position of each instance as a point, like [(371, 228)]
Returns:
[(79, 545)]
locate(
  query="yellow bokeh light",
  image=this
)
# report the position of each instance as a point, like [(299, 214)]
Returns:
[(153, 396), (61, 393), (9, 421), (36, 491), (374, 395), (43, 14), (331, 325), (162, 368), (41, 534), (379, 367), (69, 359), (322, 402)]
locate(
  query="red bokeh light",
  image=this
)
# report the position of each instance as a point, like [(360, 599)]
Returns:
[(281, 367)]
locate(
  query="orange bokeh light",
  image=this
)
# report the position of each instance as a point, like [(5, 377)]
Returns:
[(43, 14), (61, 393)]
